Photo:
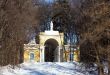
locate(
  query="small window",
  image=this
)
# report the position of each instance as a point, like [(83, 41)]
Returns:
[(31, 56)]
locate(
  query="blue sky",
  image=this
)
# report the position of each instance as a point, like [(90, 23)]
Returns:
[(49, 1)]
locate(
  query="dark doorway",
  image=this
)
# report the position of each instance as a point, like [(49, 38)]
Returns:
[(51, 50)]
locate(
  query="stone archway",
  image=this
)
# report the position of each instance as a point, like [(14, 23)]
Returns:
[(51, 50)]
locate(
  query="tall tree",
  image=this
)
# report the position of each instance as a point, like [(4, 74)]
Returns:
[(18, 18), (93, 25)]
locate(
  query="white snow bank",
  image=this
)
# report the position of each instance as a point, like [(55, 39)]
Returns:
[(46, 68)]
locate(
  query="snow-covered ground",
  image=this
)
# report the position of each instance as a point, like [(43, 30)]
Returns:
[(47, 68)]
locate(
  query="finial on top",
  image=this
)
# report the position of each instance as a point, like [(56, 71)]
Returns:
[(51, 26)]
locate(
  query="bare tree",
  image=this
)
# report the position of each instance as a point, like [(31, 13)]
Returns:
[(92, 23), (18, 18)]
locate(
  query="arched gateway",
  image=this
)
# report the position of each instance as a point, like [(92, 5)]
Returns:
[(50, 48)]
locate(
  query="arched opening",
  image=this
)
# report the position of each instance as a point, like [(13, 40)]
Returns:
[(51, 50)]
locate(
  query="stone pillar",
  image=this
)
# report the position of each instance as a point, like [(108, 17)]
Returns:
[(59, 53), (42, 54)]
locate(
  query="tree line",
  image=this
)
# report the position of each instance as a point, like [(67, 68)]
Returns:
[(89, 20)]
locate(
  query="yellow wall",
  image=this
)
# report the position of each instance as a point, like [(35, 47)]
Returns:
[(77, 55), (37, 55), (27, 55)]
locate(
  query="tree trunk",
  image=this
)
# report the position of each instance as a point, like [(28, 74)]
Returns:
[(109, 68), (100, 70), (108, 64)]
